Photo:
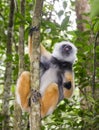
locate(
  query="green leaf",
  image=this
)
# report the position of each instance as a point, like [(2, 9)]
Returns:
[(96, 27), (60, 13), (65, 23), (64, 4), (95, 8)]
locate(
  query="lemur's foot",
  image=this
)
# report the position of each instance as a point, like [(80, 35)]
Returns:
[(35, 95)]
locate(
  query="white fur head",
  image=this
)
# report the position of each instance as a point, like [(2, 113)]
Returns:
[(65, 51)]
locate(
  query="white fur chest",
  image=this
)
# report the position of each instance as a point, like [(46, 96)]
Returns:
[(50, 76)]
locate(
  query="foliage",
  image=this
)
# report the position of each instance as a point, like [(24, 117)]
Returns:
[(82, 111), (94, 8)]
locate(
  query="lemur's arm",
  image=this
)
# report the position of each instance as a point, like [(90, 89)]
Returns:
[(43, 51), (68, 85)]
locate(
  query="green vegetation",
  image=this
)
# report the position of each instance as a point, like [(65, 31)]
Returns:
[(82, 111)]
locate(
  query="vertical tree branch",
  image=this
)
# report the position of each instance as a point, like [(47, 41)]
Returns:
[(94, 65), (18, 112), (21, 38), (8, 71), (35, 107)]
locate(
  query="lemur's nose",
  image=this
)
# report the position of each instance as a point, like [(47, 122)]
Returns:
[(67, 47)]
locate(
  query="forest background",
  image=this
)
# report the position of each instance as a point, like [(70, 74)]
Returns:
[(74, 20)]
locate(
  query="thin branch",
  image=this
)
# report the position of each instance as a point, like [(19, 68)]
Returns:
[(94, 65), (86, 98), (8, 70), (18, 111)]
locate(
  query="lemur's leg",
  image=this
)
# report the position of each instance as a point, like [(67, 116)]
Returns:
[(49, 99), (68, 84), (23, 90)]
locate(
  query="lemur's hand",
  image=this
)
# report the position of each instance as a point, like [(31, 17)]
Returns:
[(67, 85)]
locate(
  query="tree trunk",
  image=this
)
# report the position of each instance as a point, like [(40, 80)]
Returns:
[(18, 111), (8, 70), (95, 80), (35, 107), (82, 7)]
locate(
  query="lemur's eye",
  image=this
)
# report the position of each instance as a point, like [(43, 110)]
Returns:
[(67, 47)]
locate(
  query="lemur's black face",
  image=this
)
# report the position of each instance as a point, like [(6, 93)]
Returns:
[(66, 49)]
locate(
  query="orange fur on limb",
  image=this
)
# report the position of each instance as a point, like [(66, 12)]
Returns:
[(49, 99), (69, 76), (23, 90), (30, 46), (44, 52)]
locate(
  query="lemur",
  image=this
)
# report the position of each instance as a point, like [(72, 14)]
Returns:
[(56, 77)]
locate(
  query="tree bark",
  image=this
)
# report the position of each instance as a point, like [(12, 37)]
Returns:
[(82, 7), (8, 70), (18, 111), (35, 107), (21, 38), (95, 80)]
